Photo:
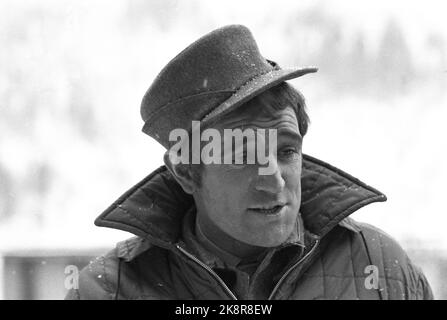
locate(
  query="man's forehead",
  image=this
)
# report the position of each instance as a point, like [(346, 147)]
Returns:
[(259, 118)]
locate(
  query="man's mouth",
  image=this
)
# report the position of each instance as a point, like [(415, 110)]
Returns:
[(268, 210)]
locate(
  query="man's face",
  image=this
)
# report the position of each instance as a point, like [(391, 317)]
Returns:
[(256, 209)]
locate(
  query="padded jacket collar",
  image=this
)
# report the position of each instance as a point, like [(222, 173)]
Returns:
[(153, 209)]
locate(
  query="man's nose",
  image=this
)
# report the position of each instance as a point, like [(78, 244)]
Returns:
[(271, 183)]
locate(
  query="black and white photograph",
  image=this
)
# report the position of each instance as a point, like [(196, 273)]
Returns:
[(223, 150)]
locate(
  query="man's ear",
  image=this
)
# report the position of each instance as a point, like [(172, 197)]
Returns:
[(181, 173)]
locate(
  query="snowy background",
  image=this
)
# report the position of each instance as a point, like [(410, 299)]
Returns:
[(72, 75)]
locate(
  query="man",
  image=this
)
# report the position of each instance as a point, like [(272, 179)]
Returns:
[(210, 227)]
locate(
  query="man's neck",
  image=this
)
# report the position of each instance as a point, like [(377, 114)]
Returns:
[(225, 242)]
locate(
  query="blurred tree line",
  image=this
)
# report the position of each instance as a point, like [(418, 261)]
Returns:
[(354, 63)]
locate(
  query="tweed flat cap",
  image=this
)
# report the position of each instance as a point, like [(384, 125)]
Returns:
[(211, 77)]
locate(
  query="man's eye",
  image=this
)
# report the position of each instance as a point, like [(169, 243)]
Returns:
[(289, 153)]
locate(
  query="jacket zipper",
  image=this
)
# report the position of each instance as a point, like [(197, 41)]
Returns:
[(222, 283), (200, 263), (278, 284)]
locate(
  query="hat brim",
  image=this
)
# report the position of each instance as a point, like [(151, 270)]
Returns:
[(255, 87)]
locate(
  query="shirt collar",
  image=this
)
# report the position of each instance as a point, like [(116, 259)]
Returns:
[(216, 257)]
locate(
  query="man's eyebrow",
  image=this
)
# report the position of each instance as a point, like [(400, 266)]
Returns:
[(293, 135)]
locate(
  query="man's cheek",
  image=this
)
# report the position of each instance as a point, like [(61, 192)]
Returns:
[(294, 189)]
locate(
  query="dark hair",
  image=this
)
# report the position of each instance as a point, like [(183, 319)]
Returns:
[(276, 98), (281, 97)]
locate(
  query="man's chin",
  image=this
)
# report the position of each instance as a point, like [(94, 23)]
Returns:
[(271, 233), (270, 239)]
